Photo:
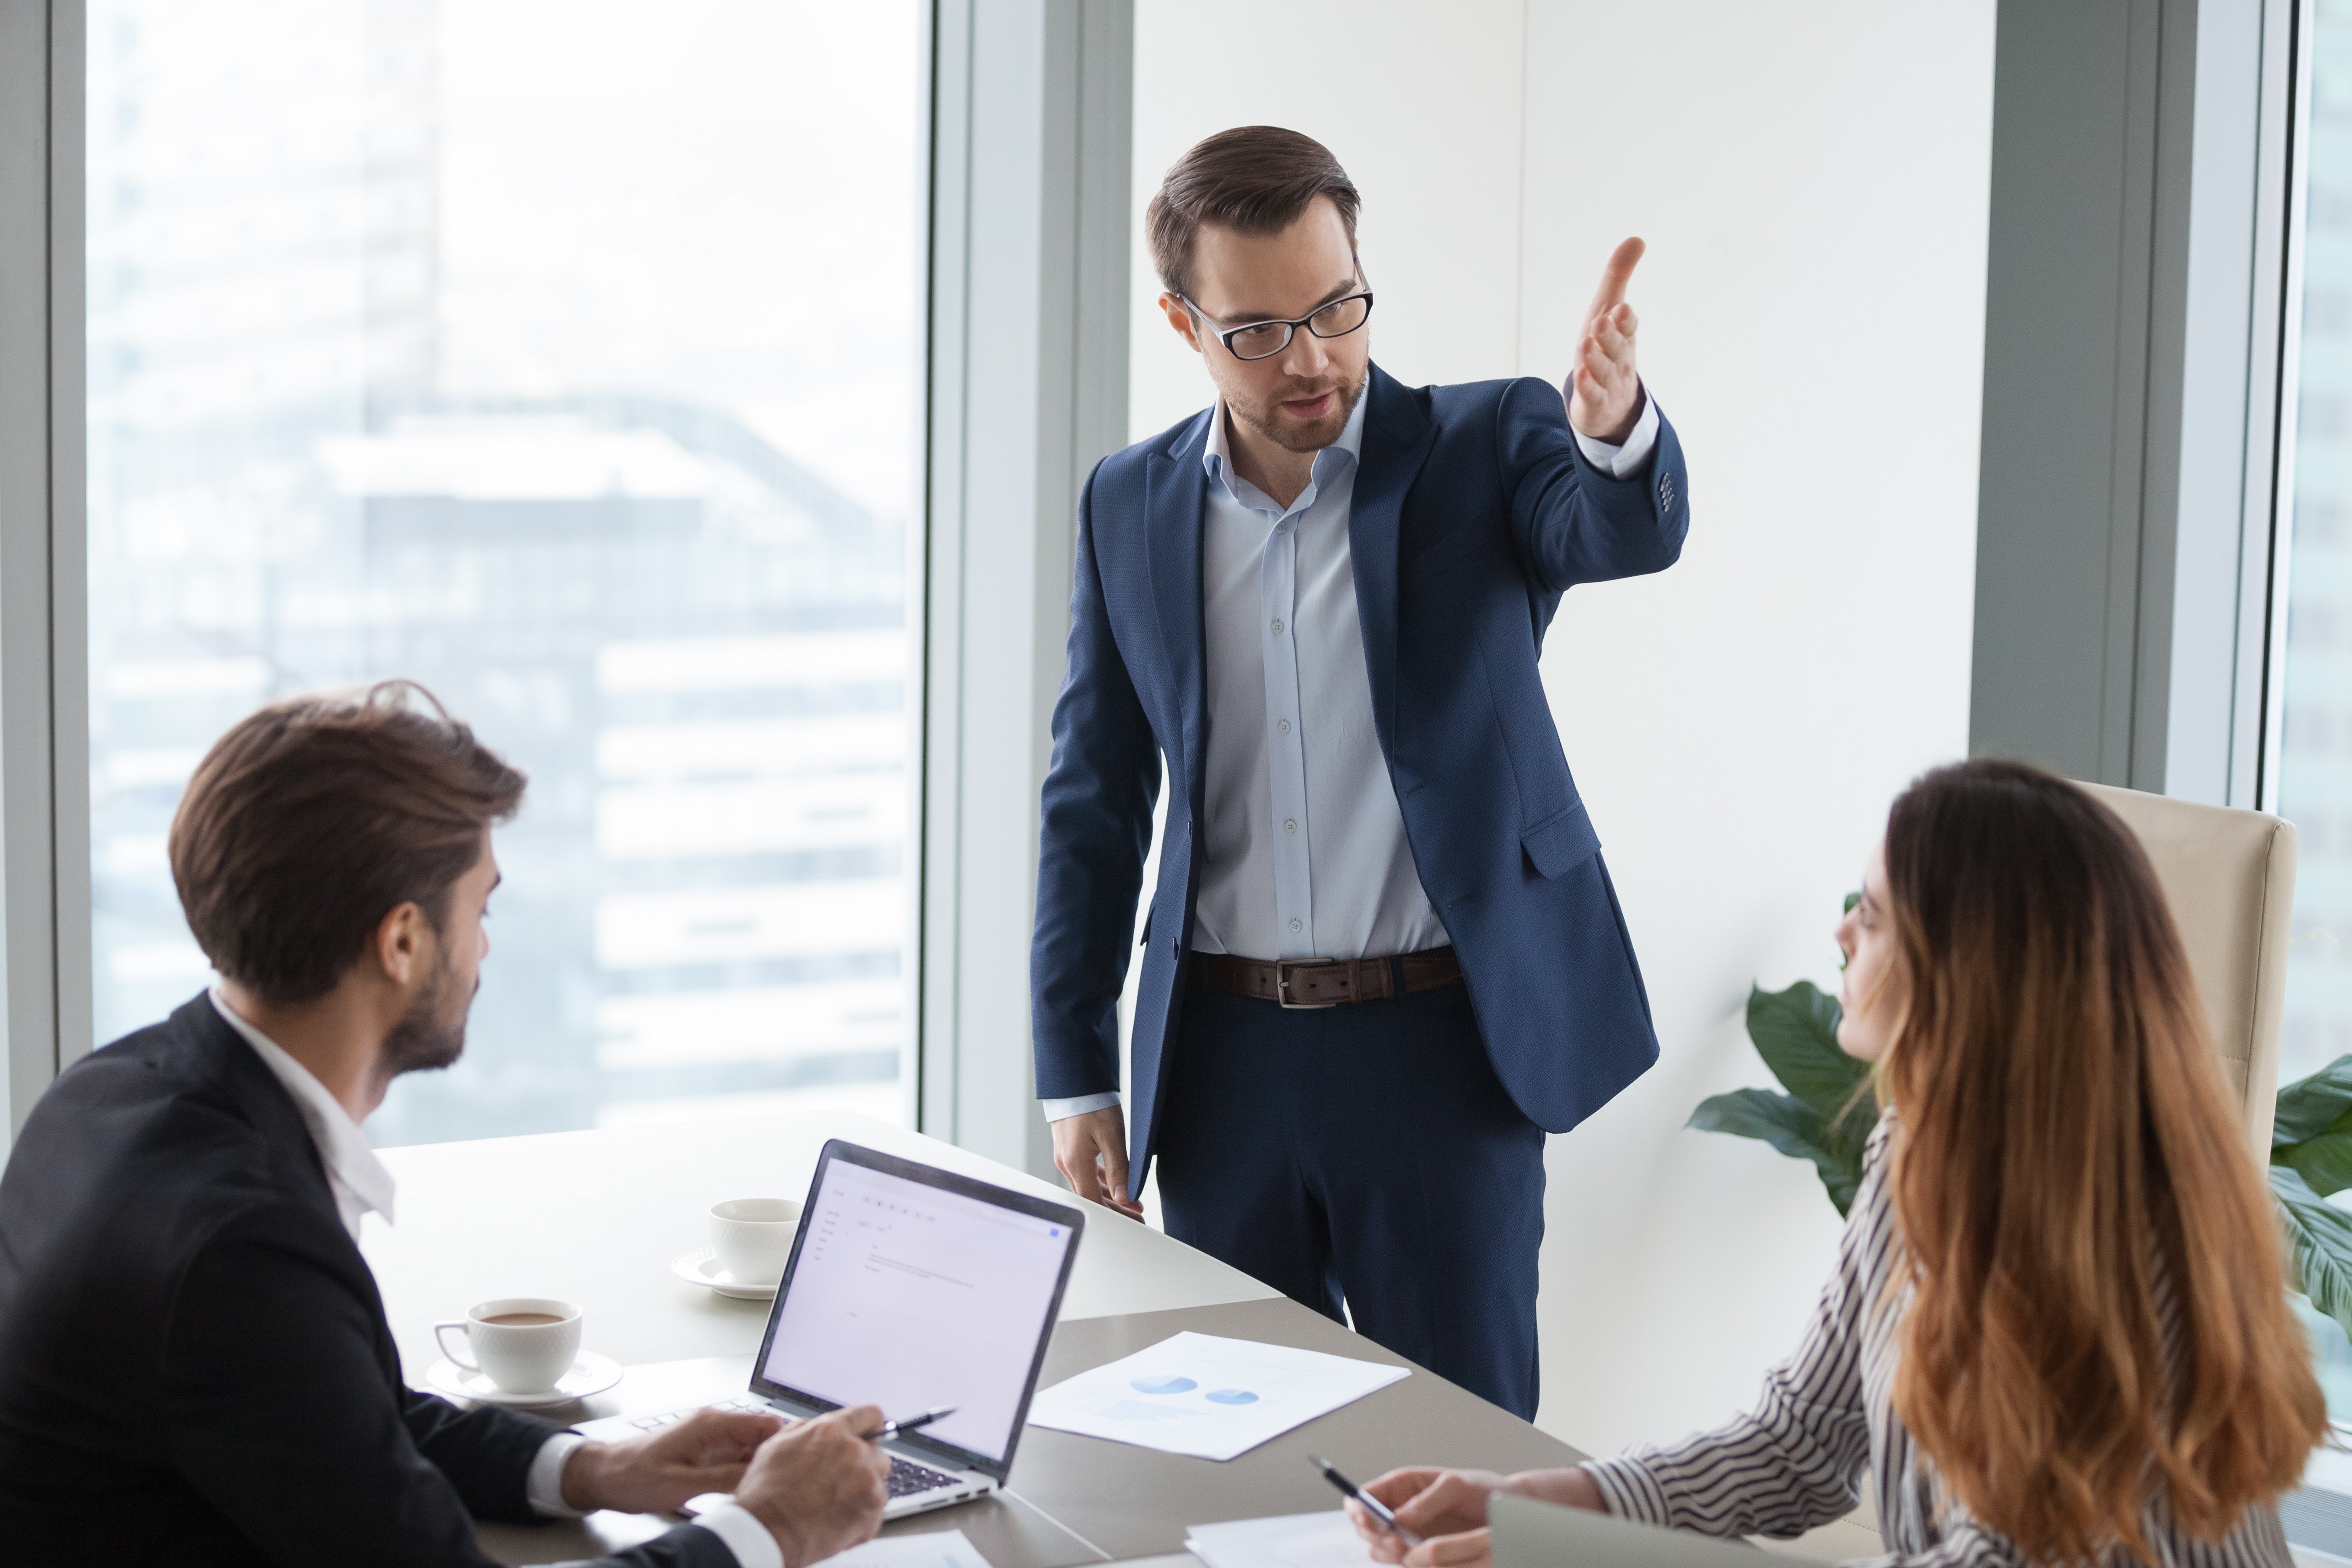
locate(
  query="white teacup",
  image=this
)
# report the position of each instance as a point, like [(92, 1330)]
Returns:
[(523, 1344), (754, 1238)]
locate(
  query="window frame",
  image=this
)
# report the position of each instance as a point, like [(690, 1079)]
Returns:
[(44, 904)]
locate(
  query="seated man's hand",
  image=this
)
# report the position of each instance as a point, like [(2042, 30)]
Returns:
[(657, 1473), (818, 1486)]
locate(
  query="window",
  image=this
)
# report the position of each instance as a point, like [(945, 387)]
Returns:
[(563, 356), (2314, 788)]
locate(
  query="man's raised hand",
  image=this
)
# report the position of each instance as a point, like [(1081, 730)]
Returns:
[(1605, 388)]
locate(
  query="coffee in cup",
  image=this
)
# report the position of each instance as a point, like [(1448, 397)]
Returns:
[(754, 1238), (522, 1343)]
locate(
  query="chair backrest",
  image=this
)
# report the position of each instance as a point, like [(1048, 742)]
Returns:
[(2230, 879)]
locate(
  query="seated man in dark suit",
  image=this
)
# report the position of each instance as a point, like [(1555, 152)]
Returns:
[(194, 1363)]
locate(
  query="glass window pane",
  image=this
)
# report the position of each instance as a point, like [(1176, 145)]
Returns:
[(2314, 767), (564, 356)]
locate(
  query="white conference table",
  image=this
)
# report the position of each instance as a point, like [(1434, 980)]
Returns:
[(597, 1217)]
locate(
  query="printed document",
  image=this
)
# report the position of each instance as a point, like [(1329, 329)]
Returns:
[(931, 1549), (1294, 1541), (1209, 1397)]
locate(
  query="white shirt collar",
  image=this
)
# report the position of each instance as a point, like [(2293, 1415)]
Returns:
[(360, 1180), (1217, 456)]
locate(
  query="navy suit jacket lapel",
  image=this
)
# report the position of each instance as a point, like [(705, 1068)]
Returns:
[(1176, 494), (1396, 439)]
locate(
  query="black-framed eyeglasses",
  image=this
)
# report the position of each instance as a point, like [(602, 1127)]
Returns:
[(1263, 340)]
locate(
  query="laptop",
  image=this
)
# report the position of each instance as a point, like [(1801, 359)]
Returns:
[(1530, 1534), (912, 1287)]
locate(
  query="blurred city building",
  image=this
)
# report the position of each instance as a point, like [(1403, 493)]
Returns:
[(695, 645)]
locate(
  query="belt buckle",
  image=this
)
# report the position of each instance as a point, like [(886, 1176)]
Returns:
[(1282, 973)]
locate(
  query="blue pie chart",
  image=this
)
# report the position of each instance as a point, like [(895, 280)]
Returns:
[(1231, 1396), (1164, 1385)]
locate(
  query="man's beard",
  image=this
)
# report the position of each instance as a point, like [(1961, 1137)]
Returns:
[(423, 1041), (1289, 433)]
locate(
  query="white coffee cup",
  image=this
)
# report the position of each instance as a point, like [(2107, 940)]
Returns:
[(754, 1238), (523, 1344)]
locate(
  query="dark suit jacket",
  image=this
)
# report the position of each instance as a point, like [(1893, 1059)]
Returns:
[(194, 1365), (1473, 511)]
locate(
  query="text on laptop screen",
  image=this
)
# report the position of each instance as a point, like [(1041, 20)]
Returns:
[(907, 1297)]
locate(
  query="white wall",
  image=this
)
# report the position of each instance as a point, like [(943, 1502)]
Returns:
[(1812, 180)]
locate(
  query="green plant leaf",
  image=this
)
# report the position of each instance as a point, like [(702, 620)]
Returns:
[(2319, 1237), (2324, 1161), (1792, 1127), (2311, 1106), (1795, 1032)]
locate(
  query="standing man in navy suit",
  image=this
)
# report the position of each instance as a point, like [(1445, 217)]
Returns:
[(1384, 957)]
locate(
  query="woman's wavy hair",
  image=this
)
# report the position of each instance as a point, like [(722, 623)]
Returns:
[(2097, 1309)]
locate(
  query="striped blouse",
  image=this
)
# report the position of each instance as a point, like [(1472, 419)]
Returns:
[(1827, 1414)]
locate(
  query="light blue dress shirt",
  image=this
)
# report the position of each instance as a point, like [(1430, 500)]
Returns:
[(1304, 852)]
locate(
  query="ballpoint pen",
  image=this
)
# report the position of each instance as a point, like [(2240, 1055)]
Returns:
[(889, 1430), (1372, 1505)]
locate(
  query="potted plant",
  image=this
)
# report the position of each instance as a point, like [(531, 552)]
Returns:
[(1828, 1110)]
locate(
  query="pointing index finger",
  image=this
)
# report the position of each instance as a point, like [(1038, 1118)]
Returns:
[(1614, 277)]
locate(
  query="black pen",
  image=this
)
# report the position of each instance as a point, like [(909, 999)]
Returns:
[(1372, 1505), (889, 1430)]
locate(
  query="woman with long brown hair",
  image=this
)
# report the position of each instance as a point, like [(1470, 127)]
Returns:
[(2057, 1334)]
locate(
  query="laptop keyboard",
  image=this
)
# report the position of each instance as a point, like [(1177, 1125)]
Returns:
[(907, 1478)]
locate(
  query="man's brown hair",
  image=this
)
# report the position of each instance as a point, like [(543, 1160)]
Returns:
[(1253, 179), (314, 819)]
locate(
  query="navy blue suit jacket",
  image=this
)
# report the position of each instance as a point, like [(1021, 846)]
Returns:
[(1474, 512)]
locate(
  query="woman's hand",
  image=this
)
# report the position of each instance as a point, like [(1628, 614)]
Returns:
[(1447, 1508)]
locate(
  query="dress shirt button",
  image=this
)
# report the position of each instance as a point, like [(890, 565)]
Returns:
[(1291, 824), (1293, 925), (1277, 628), (1284, 726)]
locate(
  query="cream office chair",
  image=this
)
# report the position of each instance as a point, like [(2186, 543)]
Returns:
[(2230, 879)]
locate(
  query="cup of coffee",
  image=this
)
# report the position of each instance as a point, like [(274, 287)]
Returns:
[(753, 1236), (522, 1343)]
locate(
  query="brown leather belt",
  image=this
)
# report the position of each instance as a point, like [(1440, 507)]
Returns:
[(1325, 982)]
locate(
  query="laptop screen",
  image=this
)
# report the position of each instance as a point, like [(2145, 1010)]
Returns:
[(910, 1287)]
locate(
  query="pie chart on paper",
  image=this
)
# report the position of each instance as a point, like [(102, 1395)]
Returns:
[(1165, 1386)]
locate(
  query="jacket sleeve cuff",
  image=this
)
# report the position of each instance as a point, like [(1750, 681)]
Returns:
[(1623, 462), (1079, 1105), (1629, 1489)]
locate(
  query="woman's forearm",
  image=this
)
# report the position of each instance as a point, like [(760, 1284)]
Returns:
[(1572, 1488)]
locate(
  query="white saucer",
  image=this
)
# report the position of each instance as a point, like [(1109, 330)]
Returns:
[(701, 1268), (592, 1373)]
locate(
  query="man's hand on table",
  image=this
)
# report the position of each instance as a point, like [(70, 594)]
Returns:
[(707, 1452), (818, 1486), (1447, 1508), (1090, 1150)]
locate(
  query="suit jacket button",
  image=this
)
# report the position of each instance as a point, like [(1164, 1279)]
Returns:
[(1175, 947)]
